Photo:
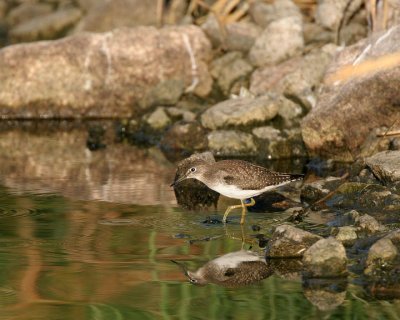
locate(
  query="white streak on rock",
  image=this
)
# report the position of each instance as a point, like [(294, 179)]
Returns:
[(195, 77)]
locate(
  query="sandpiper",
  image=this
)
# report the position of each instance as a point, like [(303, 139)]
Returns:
[(236, 179)]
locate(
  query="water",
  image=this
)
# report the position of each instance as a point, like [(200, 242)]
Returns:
[(91, 236)]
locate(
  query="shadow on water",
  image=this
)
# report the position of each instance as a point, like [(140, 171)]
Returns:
[(91, 235)]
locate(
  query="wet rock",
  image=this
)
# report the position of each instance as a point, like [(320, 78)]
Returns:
[(184, 138), (158, 120), (45, 27), (240, 112), (368, 225), (27, 11), (279, 41), (325, 294), (380, 255), (298, 78), (231, 143), (263, 14), (109, 15), (267, 133), (237, 36), (230, 68), (325, 259), (166, 92), (101, 75), (316, 190), (290, 242), (349, 109), (191, 193), (346, 235), (329, 13), (385, 165)]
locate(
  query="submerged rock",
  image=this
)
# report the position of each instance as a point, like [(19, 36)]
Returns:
[(117, 74), (316, 190), (325, 259), (346, 235), (385, 166), (367, 225), (290, 242), (348, 109), (240, 112)]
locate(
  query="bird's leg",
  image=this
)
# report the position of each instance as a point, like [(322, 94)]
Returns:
[(244, 209), (229, 209)]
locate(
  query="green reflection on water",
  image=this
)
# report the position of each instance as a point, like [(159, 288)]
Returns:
[(63, 259)]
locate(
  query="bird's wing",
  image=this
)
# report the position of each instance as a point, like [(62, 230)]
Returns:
[(252, 177)]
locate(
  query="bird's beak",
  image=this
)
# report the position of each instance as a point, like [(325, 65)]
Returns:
[(173, 184), (182, 266)]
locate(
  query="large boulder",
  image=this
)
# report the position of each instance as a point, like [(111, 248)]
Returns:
[(116, 74), (349, 110)]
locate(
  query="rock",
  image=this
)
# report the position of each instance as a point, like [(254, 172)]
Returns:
[(191, 193), (87, 5), (290, 112), (3, 9), (102, 75), (45, 27), (349, 109), (290, 242), (267, 133), (325, 259), (27, 11), (231, 143), (346, 235), (263, 14), (240, 112), (166, 92), (279, 41), (316, 34), (184, 138), (325, 294), (228, 69), (368, 225), (382, 253), (385, 165), (158, 120), (109, 15), (181, 114), (329, 13), (316, 190), (238, 36), (298, 78), (289, 145)]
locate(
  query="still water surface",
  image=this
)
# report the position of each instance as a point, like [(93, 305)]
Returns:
[(92, 236)]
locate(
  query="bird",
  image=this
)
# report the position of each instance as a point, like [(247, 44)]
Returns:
[(234, 269), (237, 179)]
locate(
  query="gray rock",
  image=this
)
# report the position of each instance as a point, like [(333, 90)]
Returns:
[(316, 34), (289, 145), (325, 259), (240, 112), (166, 92), (299, 78), (385, 165), (158, 120), (263, 14), (45, 27), (329, 13), (279, 41), (231, 143), (228, 69), (238, 36), (290, 242), (27, 11), (267, 133), (346, 235), (102, 75), (350, 108), (381, 253), (109, 15), (316, 190), (368, 225), (184, 137)]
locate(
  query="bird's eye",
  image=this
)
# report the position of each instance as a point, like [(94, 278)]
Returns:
[(193, 169), (193, 281)]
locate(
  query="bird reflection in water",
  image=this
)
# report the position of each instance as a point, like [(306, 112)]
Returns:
[(234, 269)]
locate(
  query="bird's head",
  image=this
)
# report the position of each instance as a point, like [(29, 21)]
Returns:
[(194, 170)]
